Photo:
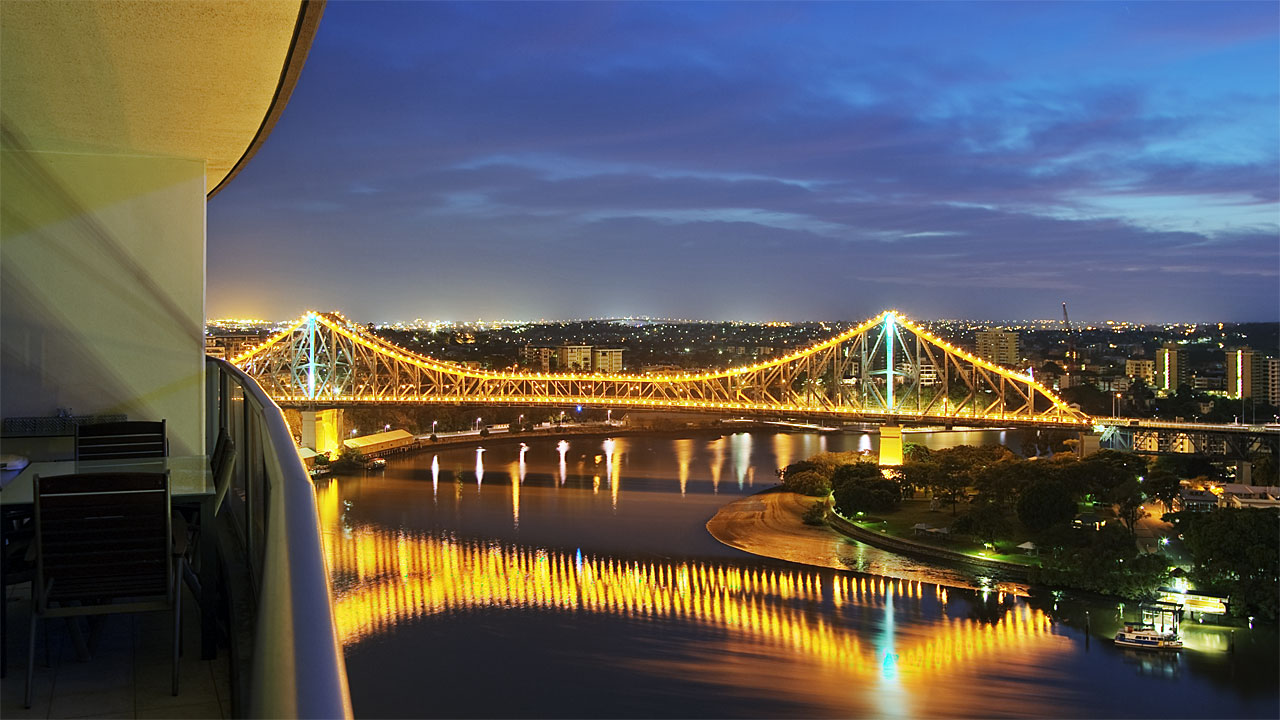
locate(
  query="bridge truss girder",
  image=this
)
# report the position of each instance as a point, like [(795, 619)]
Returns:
[(886, 369), (1233, 444)]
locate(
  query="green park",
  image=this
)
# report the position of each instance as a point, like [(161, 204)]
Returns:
[(1105, 523)]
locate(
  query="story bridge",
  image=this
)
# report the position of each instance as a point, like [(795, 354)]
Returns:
[(887, 370)]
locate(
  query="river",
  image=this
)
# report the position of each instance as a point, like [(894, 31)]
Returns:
[(578, 580)]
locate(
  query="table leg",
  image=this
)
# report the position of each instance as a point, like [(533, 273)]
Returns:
[(208, 581)]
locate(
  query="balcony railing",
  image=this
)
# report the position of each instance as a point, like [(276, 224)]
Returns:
[(297, 668)]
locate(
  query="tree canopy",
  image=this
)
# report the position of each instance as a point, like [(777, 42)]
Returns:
[(1237, 551)]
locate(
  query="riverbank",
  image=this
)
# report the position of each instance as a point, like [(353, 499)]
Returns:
[(771, 524), (922, 551)]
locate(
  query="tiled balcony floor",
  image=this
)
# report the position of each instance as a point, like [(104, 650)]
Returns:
[(128, 675)]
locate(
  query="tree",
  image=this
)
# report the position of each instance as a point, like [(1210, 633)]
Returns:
[(1003, 481), (855, 472), (1265, 469), (348, 459), (807, 482), (985, 522), (1237, 551), (918, 474), (1128, 501), (958, 467), (1106, 470), (866, 495), (1045, 504), (1163, 486), (1105, 562), (915, 452)]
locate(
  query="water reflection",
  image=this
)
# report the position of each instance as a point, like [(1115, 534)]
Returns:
[(384, 578), (426, 587), (717, 462), (741, 444), (684, 453)]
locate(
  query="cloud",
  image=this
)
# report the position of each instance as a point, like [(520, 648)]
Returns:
[(529, 148)]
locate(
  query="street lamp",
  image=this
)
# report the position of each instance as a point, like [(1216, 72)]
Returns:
[(520, 422), (1113, 405), (433, 426), (608, 416), (478, 424)]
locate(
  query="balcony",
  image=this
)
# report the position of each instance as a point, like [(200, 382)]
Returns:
[(121, 120), (270, 647)]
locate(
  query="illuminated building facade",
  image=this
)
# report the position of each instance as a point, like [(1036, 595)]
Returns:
[(998, 346), (574, 357), (1247, 374), (1171, 368), (540, 357), (1273, 381), (1144, 370), (606, 360)]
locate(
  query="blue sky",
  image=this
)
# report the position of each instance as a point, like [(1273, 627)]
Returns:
[(768, 161)]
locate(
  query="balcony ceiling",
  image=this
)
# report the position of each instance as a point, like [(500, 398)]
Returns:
[(201, 80)]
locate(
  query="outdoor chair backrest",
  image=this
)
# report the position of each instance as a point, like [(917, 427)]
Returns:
[(103, 537), (130, 440)]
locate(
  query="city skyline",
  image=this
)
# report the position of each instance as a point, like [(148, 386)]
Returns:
[(762, 161)]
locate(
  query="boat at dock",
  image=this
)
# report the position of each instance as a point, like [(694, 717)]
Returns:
[(1145, 635)]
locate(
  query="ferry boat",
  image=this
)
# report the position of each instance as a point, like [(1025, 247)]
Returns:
[(1145, 635), (377, 464)]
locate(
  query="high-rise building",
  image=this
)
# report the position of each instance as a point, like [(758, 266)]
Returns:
[(1171, 368), (998, 346), (574, 357), (1273, 381), (606, 360), (1247, 374), (1144, 370)]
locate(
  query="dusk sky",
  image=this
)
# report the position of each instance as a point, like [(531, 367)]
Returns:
[(767, 161)]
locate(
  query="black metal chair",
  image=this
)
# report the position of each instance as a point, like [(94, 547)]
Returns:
[(129, 440), (17, 566), (186, 527), (104, 545)]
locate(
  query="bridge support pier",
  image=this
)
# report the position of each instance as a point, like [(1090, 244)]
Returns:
[(890, 445), (1090, 443), (1244, 472), (322, 430)]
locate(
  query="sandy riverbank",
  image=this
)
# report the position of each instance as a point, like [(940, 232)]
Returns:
[(770, 524)]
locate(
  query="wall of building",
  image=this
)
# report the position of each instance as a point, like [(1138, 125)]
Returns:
[(102, 288)]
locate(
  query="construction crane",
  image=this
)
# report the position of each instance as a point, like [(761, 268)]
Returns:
[(1071, 340)]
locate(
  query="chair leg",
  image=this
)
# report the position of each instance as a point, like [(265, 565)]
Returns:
[(4, 627), (31, 658), (177, 628)]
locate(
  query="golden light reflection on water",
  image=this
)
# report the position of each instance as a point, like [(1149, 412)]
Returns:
[(717, 462), (684, 453), (384, 578)]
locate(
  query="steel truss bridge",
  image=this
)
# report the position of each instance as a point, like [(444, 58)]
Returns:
[(886, 370), (1239, 442)]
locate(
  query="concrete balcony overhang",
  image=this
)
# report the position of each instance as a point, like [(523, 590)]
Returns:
[(202, 81)]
